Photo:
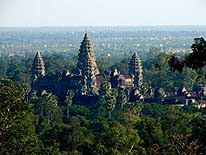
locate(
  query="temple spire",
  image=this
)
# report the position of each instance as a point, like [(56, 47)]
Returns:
[(88, 68), (38, 66), (86, 37), (86, 48), (89, 83), (135, 69)]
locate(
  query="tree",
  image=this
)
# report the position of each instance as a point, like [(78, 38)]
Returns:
[(159, 94), (46, 109), (117, 139), (195, 60), (136, 108), (105, 89), (162, 95), (68, 102), (150, 131), (161, 76), (198, 125), (122, 98), (109, 95), (17, 132), (101, 105), (111, 102), (48, 122)]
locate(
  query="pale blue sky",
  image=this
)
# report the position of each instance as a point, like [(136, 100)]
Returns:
[(102, 12)]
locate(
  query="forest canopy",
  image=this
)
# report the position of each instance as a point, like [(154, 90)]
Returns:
[(113, 126)]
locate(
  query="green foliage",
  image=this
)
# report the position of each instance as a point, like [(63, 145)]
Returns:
[(111, 101), (48, 122), (150, 131), (68, 102), (46, 109), (158, 75), (137, 128), (43, 127), (195, 60), (17, 131), (122, 66), (122, 98), (105, 89)]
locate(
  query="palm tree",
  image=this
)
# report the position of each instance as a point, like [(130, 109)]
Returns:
[(68, 102)]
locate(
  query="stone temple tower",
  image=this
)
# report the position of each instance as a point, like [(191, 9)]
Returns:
[(87, 65), (135, 69), (86, 48), (38, 66), (89, 83)]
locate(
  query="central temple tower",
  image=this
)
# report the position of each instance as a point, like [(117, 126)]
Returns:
[(86, 48), (88, 68), (38, 66), (135, 69)]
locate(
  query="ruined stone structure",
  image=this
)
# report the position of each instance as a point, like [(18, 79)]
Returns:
[(135, 69), (38, 66), (88, 67), (86, 52), (87, 81), (119, 80)]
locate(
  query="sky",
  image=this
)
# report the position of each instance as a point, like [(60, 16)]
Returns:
[(102, 12)]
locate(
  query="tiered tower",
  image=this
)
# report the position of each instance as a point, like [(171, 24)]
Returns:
[(38, 66), (87, 65), (86, 48), (136, 70)]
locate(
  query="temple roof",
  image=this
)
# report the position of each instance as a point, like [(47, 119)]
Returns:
[(135, 69), (86, 51), (88, 67), (38, 66)]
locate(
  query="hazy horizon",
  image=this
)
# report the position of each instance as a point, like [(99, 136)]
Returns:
[(98, 26), (72, 13)]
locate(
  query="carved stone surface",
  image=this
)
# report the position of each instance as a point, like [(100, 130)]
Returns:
[(86, 82), (135, 69), (86, 48), (87, 65), (38, 66)]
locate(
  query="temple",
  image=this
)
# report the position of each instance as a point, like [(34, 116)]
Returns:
[(136, 70), (87, 68), (86, 53), (86, 82), (38, 67), (87, 79)]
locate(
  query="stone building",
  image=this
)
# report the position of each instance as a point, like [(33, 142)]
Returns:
[(38, 67), (135, 69), (87, 68), (87, 81), (86, 52)]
